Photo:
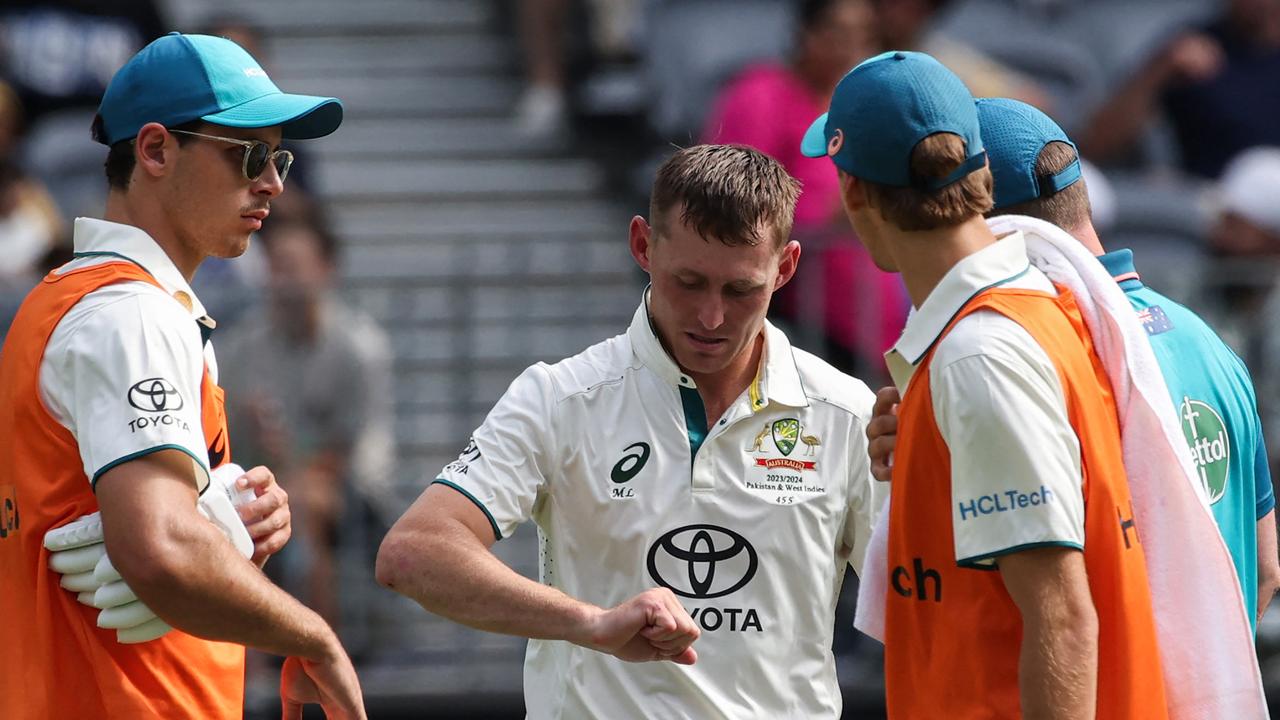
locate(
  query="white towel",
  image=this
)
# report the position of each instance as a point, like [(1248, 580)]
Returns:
[(1206, 645)]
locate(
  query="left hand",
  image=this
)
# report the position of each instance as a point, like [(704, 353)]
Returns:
[(882, 433), (267, 517)]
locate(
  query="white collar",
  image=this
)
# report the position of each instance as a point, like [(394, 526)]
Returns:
[(996, 264), (777, 380), (93, 237)]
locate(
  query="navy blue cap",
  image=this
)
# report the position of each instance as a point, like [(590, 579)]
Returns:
[(883, 108), (179, 78), (1015, 133)]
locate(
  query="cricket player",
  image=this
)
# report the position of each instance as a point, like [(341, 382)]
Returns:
[(697, 483), (1017, 585), (112, 423), (1037, 173)]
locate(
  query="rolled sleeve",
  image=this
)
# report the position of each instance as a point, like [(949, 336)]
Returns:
[(126, 382), (504, 468), (1015, 458)]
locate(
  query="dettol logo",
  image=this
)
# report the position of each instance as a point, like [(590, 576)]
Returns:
[(1210, 447)]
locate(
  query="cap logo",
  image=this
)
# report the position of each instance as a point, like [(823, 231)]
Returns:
[(835, 143), (255, 72)]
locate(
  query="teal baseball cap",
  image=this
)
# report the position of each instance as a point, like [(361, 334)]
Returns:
[(883, 108), (1015, 133), (180, 78)]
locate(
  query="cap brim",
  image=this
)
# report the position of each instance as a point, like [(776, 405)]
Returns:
[(302, 116), (815, 138)]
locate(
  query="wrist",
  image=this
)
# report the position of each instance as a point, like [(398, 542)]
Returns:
[(584, 624)]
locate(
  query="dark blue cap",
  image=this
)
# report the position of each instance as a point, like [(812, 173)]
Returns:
[(1015, 133), (883, 108)]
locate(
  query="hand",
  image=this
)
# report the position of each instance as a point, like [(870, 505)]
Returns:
[(330, 683), (267, 517), (1194, 57), (882, 433), (650, 626)]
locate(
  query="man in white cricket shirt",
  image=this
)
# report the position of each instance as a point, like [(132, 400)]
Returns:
[(694, 479)]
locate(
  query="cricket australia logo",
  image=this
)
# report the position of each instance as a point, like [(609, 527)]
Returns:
[(1206, 433), (785, 433)]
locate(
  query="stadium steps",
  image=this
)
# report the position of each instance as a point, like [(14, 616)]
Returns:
[(480, 252)]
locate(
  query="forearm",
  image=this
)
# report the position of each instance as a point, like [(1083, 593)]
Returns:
[(194, 580), (449, 572), (1125, 114), (1058, 667)]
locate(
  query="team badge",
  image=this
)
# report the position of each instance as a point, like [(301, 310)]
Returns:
[(785, 434)]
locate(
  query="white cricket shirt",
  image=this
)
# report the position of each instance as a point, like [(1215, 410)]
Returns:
[(999, 405), (750, 522), (122, 369)]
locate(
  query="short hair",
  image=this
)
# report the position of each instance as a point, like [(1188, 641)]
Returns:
[(726, 192), (1068, 208), (121, 161), (915, 209)]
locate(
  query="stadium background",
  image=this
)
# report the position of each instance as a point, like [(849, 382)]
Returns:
[(483, 236)]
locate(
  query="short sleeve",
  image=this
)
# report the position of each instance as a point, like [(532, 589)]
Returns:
[(124, 374), (505, 467), (1264, 493), (1015, 458)]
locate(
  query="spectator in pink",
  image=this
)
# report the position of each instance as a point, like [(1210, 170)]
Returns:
[(853, 308)]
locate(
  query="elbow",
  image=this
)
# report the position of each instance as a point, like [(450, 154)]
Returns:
[(150, 564), (395, 561)]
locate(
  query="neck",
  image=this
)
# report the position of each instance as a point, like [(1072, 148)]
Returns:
[(721, 388), (1088, 237), (924, 258), (151, 221)]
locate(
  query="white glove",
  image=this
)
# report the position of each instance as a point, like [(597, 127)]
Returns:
[(79, 555)]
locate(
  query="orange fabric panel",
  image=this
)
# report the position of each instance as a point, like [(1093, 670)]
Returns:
[(55, 662), (953, 634)]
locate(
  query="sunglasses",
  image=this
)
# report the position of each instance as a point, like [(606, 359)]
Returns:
[(256, 155)]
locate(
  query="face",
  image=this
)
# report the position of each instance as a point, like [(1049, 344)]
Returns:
[(299, 272), (845, 37), (866, 222), (209, 204), (708, 299)]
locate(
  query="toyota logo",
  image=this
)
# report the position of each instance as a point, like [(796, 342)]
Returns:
[(155, 395), (702, 561)]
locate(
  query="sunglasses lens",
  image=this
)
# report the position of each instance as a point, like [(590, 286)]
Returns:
[(283, 161), (256, 160)]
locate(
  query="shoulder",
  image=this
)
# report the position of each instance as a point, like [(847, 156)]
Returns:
[(124, 308), (360, 333), (604, 364), (987, 333), (825, 384)]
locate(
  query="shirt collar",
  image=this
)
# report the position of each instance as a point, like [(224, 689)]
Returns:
[(1119, 263), (996, 264), (777, 379), (93, 237)]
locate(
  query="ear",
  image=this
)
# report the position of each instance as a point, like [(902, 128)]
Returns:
[(154, 150), (853, 192), (788, 263), (641, 239)]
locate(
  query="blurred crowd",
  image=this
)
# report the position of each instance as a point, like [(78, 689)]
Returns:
[(1172, 102)]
